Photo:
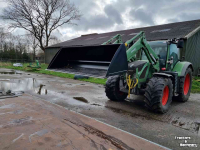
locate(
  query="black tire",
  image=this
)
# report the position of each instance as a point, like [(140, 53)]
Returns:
[(183, 97), (112, 89), (158, 94)]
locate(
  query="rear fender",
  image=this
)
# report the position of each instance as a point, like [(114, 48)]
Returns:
[(181, 68)]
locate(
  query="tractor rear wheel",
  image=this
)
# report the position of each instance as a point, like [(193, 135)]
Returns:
[(158, 94), (185, 86), (112, 89)]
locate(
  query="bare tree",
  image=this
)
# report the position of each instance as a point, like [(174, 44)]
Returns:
[(32, 44), (54, 40), (4, 35), (40, 17)]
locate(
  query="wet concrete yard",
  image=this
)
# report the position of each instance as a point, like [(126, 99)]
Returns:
[(183, 119)]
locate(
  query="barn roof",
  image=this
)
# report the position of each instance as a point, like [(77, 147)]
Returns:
[(153, 33)]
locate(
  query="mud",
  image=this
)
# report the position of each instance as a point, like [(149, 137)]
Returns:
[(186, 124), (95, 104), (91, 130), (81, 99)]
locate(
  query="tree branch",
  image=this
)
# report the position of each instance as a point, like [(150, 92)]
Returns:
[(40, 17)]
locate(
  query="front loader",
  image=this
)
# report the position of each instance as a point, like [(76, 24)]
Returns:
[(97, 57), (153, 69)]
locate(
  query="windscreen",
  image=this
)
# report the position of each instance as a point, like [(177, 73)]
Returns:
[(160, 48)]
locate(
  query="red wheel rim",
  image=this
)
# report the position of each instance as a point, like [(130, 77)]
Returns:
[(165, 95), (121, 93), (187, 84)]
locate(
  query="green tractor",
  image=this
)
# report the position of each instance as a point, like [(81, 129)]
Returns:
[(153, 69)]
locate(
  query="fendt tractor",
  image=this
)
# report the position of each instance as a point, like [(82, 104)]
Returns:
[(153, 69)]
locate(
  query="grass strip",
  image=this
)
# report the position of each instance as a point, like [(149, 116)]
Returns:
[(43, 70)]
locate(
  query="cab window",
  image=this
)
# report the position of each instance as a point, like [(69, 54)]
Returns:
[(160, 48), (175, 53)]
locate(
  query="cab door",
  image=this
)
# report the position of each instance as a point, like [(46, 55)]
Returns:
[(174, 54)]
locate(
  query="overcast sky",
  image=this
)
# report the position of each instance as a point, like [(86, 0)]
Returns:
[(101, 16)]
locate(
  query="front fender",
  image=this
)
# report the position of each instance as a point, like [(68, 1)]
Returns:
[(181, 68), (165, 75)]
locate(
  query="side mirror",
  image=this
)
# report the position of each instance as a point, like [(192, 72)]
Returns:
[(180, 44)]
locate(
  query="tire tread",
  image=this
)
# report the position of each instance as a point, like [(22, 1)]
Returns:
[(154, 92)]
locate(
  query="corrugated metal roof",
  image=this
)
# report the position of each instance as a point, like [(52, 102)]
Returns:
[(153, 33)]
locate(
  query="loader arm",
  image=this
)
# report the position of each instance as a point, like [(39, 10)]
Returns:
[(142, 44), (117, 39), (126, 54)]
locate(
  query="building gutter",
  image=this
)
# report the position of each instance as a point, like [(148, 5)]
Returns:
[(52, 47), (192, 33)]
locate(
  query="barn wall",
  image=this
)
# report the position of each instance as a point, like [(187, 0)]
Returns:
[(192, 53), (50, 53)]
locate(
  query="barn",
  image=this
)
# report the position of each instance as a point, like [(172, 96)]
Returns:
[(188, 30)]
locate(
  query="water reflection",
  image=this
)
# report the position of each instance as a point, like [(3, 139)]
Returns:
[(9, 72), (27, 84)]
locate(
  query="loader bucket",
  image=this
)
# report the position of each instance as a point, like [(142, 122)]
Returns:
[(119, 63), (96, 57)]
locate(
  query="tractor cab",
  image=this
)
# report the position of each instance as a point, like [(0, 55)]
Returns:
[(168, 53)]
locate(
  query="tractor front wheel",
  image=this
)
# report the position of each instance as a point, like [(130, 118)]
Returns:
[(158, 94), (112, 89), (185, 86)]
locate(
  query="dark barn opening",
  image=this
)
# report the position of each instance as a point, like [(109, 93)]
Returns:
[(93, 60)]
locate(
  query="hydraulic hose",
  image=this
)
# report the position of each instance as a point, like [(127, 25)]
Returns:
[(131, 84)]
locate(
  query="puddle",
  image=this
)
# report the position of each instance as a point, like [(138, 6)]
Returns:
[(9, 72), (16, 85), (33, 86), (42, 91), (82, 99), (4, 79)]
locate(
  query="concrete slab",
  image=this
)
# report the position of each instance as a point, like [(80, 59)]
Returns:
[(27, 122)]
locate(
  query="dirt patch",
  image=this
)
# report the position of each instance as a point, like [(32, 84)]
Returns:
[(127, 113), (186, 124), (91, 130), (96, 104), (82, 99), (47, 139)]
